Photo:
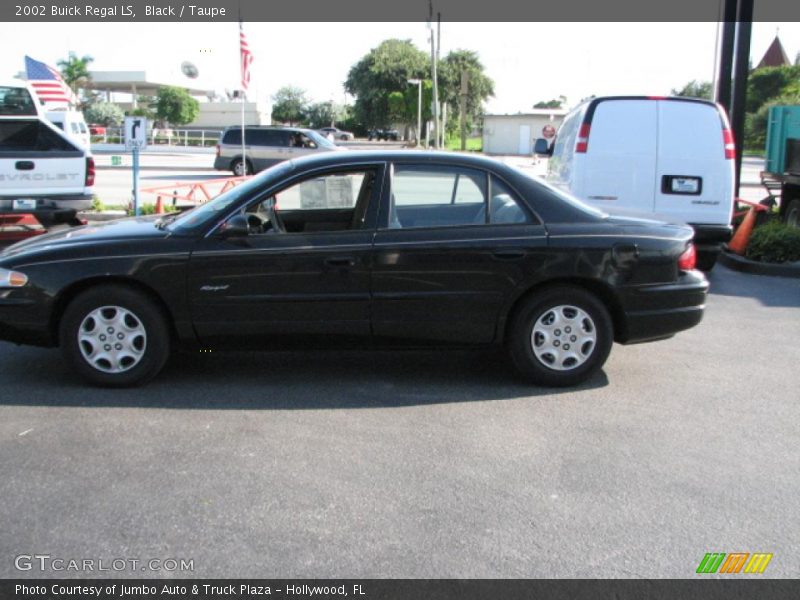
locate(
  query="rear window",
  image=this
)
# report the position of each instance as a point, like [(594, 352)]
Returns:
[(31, 136), (257, 137), (16, 101)]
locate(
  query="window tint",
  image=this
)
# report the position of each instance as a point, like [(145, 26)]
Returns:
[(504, 206), (437, 197), (233, 136), (16, 101), (31, 136)]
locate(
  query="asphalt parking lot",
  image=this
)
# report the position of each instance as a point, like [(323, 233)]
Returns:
[(419, 464)]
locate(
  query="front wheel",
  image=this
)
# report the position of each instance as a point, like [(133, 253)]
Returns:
[(560, 336), (114, 336)]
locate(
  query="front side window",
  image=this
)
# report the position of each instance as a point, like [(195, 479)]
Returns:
[(424, 196)]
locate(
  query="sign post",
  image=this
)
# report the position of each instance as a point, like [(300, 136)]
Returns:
[(135, 140)]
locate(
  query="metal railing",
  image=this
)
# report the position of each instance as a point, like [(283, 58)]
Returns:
[(203, 138)]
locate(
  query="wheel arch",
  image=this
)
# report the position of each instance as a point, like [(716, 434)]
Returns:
[(601, 290), (75, 289)]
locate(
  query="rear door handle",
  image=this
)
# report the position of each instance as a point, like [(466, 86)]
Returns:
[(24, 165), (508, 254), (340, 261)]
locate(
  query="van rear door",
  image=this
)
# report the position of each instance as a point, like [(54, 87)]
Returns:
[(694, 177), (620, 158)]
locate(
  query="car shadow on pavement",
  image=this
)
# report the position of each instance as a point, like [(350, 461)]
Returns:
[(768, 290), (283, 380)]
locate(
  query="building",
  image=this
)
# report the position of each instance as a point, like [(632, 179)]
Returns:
[(516, 134), (775, 56)]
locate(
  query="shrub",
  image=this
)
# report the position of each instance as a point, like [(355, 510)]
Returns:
[(774, 242)]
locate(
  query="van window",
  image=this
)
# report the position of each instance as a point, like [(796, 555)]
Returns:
[(16, 101), (31, 136), (233, 136)]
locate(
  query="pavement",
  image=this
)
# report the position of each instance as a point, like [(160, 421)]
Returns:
[(419, 464)]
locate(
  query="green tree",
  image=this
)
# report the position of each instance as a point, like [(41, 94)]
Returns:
[(75, 71), (322, 114), (382, 71), (104, 113), (768, 83), (479, 89), (694, 89), (289, 105), (176, 106), (555, 103)]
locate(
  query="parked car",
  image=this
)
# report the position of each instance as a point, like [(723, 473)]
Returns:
[(383, 134), (265, 147), (42, 171), (97, 129), (661, 156), (384, 248), (337, 134)]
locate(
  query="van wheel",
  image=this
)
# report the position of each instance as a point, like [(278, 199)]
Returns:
[(793, 213), (114, 336), (560, 337), (238, 167), (706, 260)]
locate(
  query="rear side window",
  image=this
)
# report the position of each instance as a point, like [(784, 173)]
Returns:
[(31, 136), (16, 101), (504, 206), (232, 136)]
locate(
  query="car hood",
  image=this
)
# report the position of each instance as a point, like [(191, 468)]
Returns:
[(98, 233)]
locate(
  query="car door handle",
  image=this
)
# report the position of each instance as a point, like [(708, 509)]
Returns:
[(340, 261), (24, 165), (508, 254)]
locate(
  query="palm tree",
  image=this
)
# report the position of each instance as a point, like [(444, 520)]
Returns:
[(75, 71)]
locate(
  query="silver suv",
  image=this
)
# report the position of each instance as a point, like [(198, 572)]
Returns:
[(266, 146)]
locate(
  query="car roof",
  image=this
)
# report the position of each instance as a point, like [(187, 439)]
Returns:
[(325, 159)]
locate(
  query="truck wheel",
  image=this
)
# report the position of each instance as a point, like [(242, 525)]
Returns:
[(793, 213), (238, 167), (560, 336), (706, 260), (114, 336)]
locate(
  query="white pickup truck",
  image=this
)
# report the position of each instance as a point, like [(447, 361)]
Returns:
[(42, 171)]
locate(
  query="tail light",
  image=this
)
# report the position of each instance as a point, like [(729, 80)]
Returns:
[(688, 260), (582, 144), (90, 171), (730, 144)]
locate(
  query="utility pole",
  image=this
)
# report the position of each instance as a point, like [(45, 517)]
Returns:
[(433, 76), (440, 124), (462, 107)]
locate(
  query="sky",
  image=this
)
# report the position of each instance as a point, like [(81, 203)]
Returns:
[(529, 62)]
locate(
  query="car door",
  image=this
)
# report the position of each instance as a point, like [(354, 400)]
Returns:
[(444, 266), (309, 278)]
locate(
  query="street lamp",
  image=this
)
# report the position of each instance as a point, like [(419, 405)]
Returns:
[(418, 83)]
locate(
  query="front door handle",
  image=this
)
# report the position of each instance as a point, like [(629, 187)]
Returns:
[(24, 165), (340, 261)]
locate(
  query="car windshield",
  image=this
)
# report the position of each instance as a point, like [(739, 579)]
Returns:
[(562, 195), (320, 140), (205, 214)]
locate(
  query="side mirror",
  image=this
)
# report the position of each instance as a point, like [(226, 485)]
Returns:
[(236, 226), (541, 147)]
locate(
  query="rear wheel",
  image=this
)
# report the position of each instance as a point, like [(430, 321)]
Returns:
[(114, 336), (560, 336), (793, 213), (240, 167)]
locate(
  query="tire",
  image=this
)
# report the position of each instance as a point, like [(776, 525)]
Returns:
[(536, 344), (238, 170), (706, 260), (141, 330), (793, 213)]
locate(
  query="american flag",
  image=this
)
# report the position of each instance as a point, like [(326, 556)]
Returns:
[(246, 57), (47, 82)]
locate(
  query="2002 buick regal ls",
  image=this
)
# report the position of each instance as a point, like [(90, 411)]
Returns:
[(397, 248)]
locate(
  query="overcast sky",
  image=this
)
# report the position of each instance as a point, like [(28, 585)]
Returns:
[(528, 61)]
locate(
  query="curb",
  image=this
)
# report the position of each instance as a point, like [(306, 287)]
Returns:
[(739, 263)]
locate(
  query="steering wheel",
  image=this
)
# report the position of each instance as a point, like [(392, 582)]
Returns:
[(272, 214)]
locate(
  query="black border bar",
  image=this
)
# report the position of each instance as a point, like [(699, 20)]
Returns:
[(386, 10)]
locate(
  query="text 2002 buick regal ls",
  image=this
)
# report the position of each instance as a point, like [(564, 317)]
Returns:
[(378, 248)]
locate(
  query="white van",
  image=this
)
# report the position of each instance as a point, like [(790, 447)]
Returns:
[(669, 157), (72, 123)]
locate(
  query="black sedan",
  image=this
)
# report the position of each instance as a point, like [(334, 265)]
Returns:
[(368, 248)]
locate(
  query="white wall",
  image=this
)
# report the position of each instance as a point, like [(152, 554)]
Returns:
[(501, 132), (223, 114)]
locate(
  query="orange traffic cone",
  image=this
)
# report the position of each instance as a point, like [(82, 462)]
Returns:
[(738, 243), (159, 206)]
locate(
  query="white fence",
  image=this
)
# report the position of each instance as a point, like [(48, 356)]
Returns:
[(202, 138)]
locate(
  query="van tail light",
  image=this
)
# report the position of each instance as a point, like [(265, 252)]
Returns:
[(688, 260), (730, 144), (90, 171), (582, 144)]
